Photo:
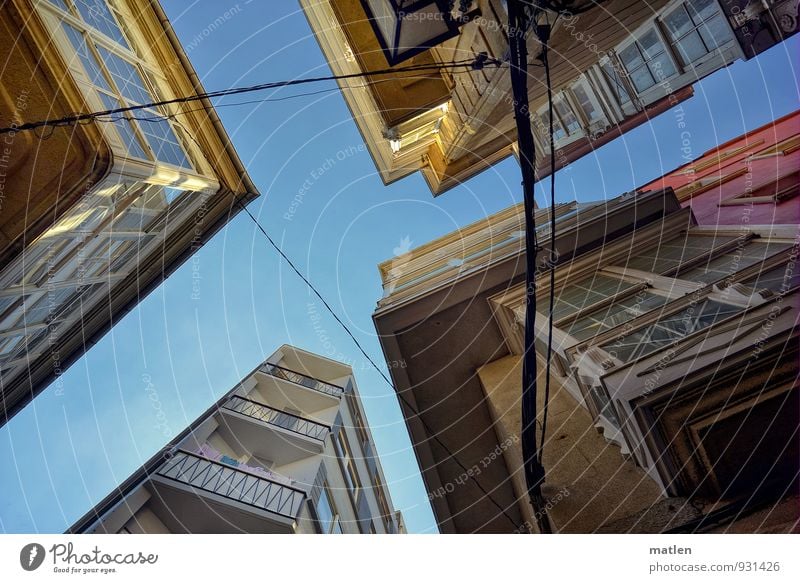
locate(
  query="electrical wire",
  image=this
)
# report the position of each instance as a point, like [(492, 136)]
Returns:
[(374, 365), (478, 62)]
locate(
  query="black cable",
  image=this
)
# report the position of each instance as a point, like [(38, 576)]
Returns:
[(479, 61), (372, 362), (552, 258)]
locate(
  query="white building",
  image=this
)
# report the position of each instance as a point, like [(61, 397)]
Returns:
[(285, 451)]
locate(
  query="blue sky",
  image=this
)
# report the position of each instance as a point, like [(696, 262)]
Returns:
[(79, 439)]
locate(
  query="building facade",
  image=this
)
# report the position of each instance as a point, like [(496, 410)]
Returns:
[(286, 451), (674, 369), (754, 178), (613, 68), (95, 215)]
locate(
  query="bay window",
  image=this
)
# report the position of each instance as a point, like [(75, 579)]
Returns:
[(697, 28), (647, 61), (616, 79), (120, 79), (565, 122)]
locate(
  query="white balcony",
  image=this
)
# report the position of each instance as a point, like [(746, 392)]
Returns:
[(296, 390), (270, 433), (193, 494)]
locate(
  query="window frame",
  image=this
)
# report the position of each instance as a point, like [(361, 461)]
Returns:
[(335, 520), (694, 29), (634, 40), (349, 469), (151, 79)]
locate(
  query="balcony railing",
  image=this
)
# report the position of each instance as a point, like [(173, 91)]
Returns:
[(277, 418), (218, 478), (301, 379)]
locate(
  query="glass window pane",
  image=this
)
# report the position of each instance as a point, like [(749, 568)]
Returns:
[(582, 294), (90, 63), (777, 279), (726, 265), (324, 511), (162, 139), (678, 22), (124, 127), (642, 79), (691, 48), (615, 315), (665, 332), (701, 9), (586, 104), (715, 32), (631, 56), (651, 44), (126, 77), (558, 129), (61, 4), (568, 119), (670, 254), (97, 14), (662, 67), (614, 79)]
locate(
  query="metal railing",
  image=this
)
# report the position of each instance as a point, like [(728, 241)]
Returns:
[(302, 379), (218, 478), (277, 417)]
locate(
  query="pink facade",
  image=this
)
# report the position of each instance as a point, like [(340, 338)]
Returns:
[(750, 180)]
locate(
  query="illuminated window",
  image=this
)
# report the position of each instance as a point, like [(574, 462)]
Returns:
[(120, 82)]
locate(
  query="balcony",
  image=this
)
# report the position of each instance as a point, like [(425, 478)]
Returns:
[(270, 433), (198, 495), (298, 391), (303, 380)]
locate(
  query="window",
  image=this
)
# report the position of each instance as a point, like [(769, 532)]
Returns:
[(120, 82), (382, 503), (647, 61), (358, 422), (727, 264), (327, 517), (587, 102), (669, 329), (98, 15), (696, 28), (615, 314), (577, 296), (778, 279), (565, 122), (350, 471), (668, 256), (614, 77)]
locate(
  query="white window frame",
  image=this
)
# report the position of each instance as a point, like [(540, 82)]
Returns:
[(152, 80)]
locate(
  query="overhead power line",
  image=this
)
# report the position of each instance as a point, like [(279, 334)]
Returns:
[(478, 62), (374, 365)]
